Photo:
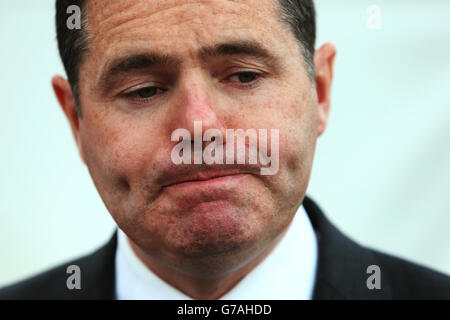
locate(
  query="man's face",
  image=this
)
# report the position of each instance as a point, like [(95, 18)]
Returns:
[(132, 102)]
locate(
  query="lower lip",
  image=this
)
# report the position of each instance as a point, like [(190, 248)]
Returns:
[(210, 182)]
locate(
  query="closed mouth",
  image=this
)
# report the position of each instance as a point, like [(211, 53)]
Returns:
[(206, 180)]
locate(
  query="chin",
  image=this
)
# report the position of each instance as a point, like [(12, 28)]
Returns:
[(214, 260), (215, 236)]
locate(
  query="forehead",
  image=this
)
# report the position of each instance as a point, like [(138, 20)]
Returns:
[(180, 26)]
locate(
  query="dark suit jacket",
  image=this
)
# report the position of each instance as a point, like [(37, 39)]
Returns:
[(341, 273)]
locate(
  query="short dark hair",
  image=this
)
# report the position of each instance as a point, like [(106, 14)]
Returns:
[(72, 44), (299, 15)]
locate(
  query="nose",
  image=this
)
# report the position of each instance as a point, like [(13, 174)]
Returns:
[(195, 102)]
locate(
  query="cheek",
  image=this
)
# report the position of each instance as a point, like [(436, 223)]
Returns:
[(295, 119), (294, 122), (116, 147), (119, 158)]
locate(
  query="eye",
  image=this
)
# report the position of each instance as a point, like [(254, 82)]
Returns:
[(143, 93), (245, 78), (146, 92)]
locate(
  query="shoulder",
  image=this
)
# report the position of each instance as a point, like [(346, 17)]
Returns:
[(345, 268), (50, 284), (96, 272), (409, 280)]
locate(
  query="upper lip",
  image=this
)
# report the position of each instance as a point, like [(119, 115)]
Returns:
[(172, 175)]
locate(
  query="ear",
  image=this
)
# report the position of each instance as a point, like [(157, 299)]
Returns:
[(323, 63), (63, 92)]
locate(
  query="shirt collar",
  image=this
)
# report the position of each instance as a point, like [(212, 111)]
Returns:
[(288, 272)]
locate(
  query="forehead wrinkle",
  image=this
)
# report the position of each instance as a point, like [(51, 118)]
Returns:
[(111, 21), (116, 15), (122, 17)]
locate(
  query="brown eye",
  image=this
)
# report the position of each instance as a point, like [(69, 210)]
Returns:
[(246, 77), (144, 93)]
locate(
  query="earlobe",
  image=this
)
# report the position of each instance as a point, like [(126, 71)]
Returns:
[(323, 63), (63, 92)]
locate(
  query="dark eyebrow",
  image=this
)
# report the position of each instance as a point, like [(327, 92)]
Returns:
[(240, 47), (137, 61)]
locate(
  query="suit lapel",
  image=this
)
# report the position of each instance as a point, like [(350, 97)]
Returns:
[(342, 263), (98, 272)]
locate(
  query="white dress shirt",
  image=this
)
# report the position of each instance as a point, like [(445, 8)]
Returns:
[(288, 272)]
